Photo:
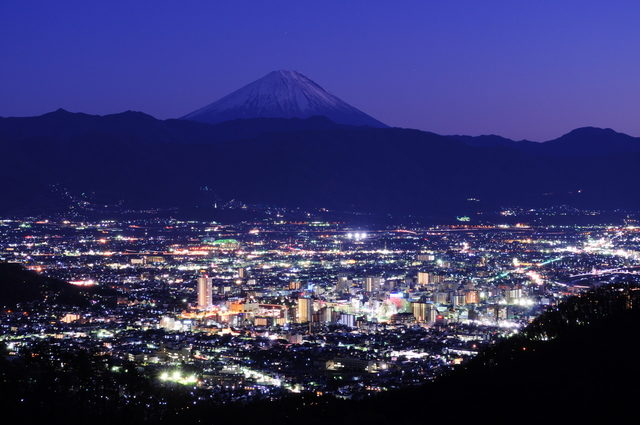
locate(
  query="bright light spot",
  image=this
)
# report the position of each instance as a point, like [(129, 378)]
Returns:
[(177, 377)]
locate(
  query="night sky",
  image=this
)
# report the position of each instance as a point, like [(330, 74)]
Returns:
[(533, 69)]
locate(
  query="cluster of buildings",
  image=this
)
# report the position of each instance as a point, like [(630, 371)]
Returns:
[(277, 306)]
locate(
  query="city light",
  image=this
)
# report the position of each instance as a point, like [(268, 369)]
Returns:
[(230, 311), (178, 377)]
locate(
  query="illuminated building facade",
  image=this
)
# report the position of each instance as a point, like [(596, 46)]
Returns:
[(305, 310), (204, 292)]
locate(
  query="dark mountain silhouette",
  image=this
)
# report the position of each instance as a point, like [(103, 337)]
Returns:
[(20, 286), (494, 141), (585, 141), (312, 162), (591, 141), (282, 94), (132, 127)]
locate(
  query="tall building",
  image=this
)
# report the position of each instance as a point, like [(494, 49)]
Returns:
[(344, 284), (305, 310), (513, 295), (458, 299), (389, 285), (420, 311), (441, 297), (372, 283), (424, 312), (324, 315), (429, 278), (347, 320), (204, 291), (432, 314), (472, 297)]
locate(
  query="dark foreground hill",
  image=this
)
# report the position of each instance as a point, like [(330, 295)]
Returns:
[(573, 364), (21, 286)]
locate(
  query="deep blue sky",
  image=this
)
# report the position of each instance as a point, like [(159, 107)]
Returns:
[(522, 69)]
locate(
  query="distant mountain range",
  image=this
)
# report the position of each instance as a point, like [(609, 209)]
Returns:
[(65, 127), (138, 161), (282, 94), (585, 141)]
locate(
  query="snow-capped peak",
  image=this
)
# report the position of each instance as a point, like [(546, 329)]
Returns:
[(282, 94)]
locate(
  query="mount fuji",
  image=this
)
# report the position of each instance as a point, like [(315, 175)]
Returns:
[(282, 94)]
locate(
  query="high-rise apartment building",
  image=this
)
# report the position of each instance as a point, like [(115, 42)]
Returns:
[(204, 291)]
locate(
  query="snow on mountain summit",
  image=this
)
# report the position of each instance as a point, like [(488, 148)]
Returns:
[(282, 94)]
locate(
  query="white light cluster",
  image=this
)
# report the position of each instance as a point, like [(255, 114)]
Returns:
[(357, 235), (177, 377)]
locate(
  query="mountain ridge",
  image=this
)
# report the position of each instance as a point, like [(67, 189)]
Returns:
[(307, 163), (594, 135)]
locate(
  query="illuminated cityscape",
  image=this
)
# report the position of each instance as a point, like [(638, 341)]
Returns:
[(319, 213), (267, 308)]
